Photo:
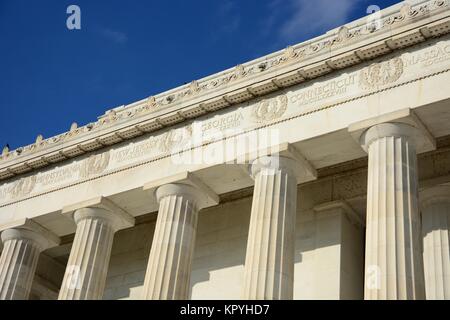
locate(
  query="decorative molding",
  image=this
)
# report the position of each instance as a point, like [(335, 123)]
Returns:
[(395, 17), (166, 155)]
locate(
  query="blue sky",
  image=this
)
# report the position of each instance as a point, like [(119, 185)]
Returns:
[(128, 50)]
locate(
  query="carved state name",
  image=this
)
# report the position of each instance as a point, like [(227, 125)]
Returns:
[(324, 90)]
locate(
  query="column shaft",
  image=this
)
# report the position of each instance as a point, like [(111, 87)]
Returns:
[(269, 264), (88, 263), (170, 261), (18, 262), (17, 266), (393, 252), (436, 249)]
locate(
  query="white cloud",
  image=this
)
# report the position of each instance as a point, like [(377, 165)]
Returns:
[(226, 7), (308, 17), (229, 17), (115, 36), (232, 25)]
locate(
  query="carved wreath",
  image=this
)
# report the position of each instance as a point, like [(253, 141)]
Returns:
[(23, 187), (270, 109), (383, 73), (175, 140), (95, 164)]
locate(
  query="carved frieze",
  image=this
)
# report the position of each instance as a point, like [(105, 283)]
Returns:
[(357, 82), (394, 70)]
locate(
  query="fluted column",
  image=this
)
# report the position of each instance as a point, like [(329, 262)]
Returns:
[(170, 261), (21, 249), (394, 268), (435, 204), (269, 263), (88, 263)]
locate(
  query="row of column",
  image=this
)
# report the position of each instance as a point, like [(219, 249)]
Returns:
[(394, 259)]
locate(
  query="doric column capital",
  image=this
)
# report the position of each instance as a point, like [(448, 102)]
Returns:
[(283, 157), (184, 184), (23, 242), (274, 163), (403, 123), (178, 189), (28, 230), (35, 238), (435, 194), (390, 129), (100, 208)]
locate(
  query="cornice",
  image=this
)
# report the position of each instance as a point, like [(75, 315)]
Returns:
[(400, 26)]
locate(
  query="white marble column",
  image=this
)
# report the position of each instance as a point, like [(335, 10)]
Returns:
[(435, 205), (170, 261), (20, 255), (87, 268), (394, 268), (269, 263)]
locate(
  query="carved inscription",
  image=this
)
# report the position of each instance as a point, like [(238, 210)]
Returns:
[(137, 150), (324, 91), (167, 142), (223, 123), (434, 55), (59, 175)]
